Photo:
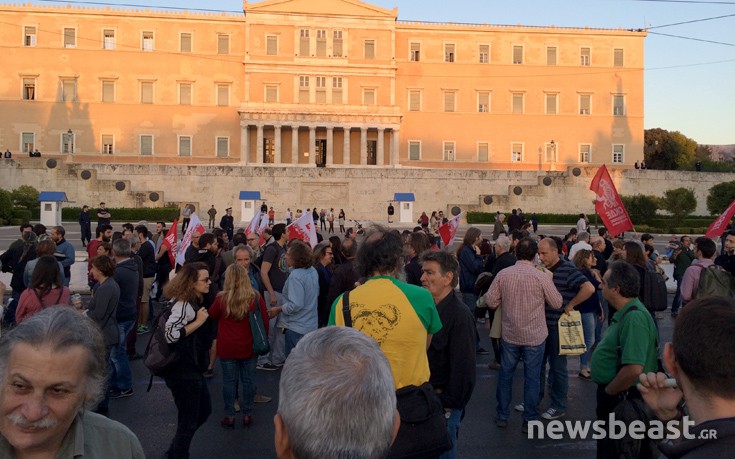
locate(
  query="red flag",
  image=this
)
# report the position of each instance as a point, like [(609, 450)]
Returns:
[(448, 230), (719, 225), (608, 203), (195, 226), (261, 228), (253, 226), (303, 228), (170, 242)]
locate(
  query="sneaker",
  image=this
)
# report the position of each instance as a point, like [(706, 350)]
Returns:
[(552, 413), (228, 422), (502, 423), (142, 330), (121, 393), (247, 420), (585, 375), (520, 408), (262, 399), (482, 351), (209, 373), (236, 407), (267, 367), (280, 365)]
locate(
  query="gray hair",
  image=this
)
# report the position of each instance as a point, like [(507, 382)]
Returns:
[(583, 236), (337, 397), (447, 262), (503, 242), (597, 240), (244, 247), (61, 328), (320, 249), (121, 248)]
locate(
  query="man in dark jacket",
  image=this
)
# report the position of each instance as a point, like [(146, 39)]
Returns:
[(147, 254), (85, 225), (514, 221), (727, 260), (452, 350), (126, 276), (344, 276)]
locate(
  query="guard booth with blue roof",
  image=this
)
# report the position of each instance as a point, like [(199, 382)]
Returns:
[(250, 202), (51, 207), (405, 206)]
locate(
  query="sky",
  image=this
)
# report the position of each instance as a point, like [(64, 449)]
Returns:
[(689, 85)]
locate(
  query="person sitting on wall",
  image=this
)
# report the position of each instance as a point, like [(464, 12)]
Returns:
[(7, 154)]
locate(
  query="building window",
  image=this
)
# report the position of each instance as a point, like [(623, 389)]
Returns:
[(449, 152), (321, 90), (551, 55), (415, 52), (584, 57), (585, 151), (414, 100), (337, 43), (516, 152), (27, 142), (585, 104), (146, 92), (448, 52), (618, 57), (551, 152), (223, 44), (450, 99), (271, 93), (223, 147), (70, 37), (108, 91), (67, 143), (304, 96), (483, 102), (337, 90), (321, 43), (368, 96), (414, 150), (184, 145), (517, 103), (146, 145), (147, 41), (369, 49), (29, 89), (618, 105), (518, 54), (184, 93), (304, 42), (552, 101), (108, 142), (29, 36), (618, 152), (108, 41), (483, 151), (271, 45), (69, 90), (484, 54), (223, 95), (185, 42)]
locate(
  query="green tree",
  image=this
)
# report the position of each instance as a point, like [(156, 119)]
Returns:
[(704, 153), (6, 206), (640, 207), (668, 150), (720, 196), (26, 197), (680, 203)]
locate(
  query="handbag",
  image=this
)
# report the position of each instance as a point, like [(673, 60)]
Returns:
[(423, 432), (571, 334), (261, 346)]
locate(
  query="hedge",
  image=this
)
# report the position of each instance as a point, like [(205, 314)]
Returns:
[(549, 219), (23, 215), (127, 214)]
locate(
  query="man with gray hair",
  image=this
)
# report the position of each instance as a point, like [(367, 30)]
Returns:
[(336, 398), (583, 242), (59, 352)]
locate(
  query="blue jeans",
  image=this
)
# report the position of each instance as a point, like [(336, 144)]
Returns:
[(598, 322), (275, 337), (234, 371), (455, 417), (121, 377), (558, 377), (292, 339), (532, 358), (589, 322)]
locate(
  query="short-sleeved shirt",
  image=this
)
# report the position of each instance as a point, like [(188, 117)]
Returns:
[(567, 279), (276, 255), (636, 335), (399, 316), (102, 221)]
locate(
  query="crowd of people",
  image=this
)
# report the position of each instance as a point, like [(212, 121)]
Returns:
[(419, 303)]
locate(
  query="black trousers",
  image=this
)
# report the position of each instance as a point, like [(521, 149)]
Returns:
[(194, 407)]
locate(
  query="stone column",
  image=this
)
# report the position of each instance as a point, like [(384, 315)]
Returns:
[(312, 141), (394, 153), (294, 145), (259, 145), (277, 145), (346, 148), (244, 144), (381, 147), (330, 145), (363, 146)]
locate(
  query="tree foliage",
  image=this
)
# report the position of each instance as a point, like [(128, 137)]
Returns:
[(720, 196), (6, 206), (679, 202), (641, 208), (668, 150), (26, 197)]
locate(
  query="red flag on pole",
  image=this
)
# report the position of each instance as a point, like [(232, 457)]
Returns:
[(303, 228), (170, 242), (448, 230), (253, 226), (195, 226), (608, 204), (719, 225)]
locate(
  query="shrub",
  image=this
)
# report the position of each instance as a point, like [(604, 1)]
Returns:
[(26, 197), (24, 215), (720, 196), (6, 206), (679, 202), (640, 207)]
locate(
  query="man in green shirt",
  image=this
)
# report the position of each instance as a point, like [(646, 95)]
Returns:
[(629, 347)]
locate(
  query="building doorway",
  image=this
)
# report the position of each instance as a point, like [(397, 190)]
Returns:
[(372, 152), (320, 150), (269, 150)]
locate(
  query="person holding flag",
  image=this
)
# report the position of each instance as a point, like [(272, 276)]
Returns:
[(165, 258), (304, 228), (195, 228), (608, 204), (448, 230)]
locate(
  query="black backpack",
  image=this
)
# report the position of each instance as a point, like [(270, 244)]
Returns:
[(654, 291), (159, 355)]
